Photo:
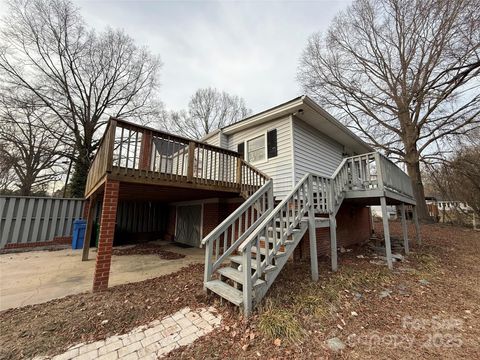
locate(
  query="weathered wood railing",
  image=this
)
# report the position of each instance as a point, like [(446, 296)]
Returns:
[(368, 172), (102, 162), (391, 177), (130, 150), (249, 178), (321, 192), (228, 235)]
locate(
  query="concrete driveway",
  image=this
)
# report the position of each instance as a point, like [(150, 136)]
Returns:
[(34, 277)]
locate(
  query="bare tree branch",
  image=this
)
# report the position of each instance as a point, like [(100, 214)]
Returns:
[(81, 76), (208, 110)]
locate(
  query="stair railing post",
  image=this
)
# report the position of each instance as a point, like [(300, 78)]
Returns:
[(378, 163), (247, 281), (208, 263), (270, 200), (333, 227), (239, 172), (312, 234)]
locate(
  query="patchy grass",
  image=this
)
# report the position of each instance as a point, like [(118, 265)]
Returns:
[(278, 323), (365, 301), (312, 304), (299, 312)]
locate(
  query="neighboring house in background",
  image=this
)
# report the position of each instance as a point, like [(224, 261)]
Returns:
[(290, 180), (452, 205)]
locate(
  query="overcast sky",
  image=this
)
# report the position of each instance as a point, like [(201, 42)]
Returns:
[(250, 49)]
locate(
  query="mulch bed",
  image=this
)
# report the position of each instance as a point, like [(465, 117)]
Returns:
[(147, 249), (439, 280)]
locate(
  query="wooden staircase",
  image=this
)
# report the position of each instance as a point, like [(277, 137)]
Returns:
[(230, 283), (245, 254), (247, 251)]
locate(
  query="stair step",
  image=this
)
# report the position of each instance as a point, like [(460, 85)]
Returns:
[(239, 260), (237, 276), (226, 291), (272, 240), (263, 251), (277, 229)]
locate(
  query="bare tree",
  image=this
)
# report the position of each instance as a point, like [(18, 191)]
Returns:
[(81, 76), (458, 178), (29, 150), (402, 73), (208, 110), (7, 177)]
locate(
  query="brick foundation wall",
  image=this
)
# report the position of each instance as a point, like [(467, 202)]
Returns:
[(107, 231), (60, 240), (213, 214), (353, 227)]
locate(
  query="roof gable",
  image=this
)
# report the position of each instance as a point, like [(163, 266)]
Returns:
[(305, 109)]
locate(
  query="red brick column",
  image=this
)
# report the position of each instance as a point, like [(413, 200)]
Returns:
[(107, 231)]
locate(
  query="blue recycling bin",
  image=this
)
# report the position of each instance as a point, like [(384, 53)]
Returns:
[(79, 229)]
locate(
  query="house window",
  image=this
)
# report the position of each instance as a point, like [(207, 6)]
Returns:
[(256, 149)]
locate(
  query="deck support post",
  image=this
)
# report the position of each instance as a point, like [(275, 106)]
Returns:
[(333, 242), (386, 232), (312, 233), (417, 225), (88, 215), (107, 232), (404, 229)]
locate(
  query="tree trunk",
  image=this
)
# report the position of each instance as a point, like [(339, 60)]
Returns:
[(413, 169), (79, 176)]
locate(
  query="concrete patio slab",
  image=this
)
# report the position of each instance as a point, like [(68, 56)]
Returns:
[(38, 276)]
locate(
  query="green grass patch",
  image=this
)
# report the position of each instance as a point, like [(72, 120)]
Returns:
[(276, 322)]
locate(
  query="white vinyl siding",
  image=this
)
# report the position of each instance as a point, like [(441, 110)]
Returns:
[(219, 139), (278, 167), (314, 151)]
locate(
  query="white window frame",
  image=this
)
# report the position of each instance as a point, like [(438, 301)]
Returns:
[(265, 160)]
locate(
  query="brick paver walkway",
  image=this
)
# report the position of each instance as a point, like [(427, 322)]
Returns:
[(149, 341)]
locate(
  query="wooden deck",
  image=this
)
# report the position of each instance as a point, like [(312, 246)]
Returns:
[(136, 154)]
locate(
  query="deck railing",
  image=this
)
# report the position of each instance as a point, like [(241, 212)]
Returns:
[(369, 172), (392, 177), (131, 150)]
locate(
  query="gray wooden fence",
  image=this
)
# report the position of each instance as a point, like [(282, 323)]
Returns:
[(36, 219)]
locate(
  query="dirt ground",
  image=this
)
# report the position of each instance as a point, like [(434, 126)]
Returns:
[(34, 277), (427, 308)]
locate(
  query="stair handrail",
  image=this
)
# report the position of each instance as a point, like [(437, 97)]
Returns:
[(260, 202), (338, 183), (299, 199)]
